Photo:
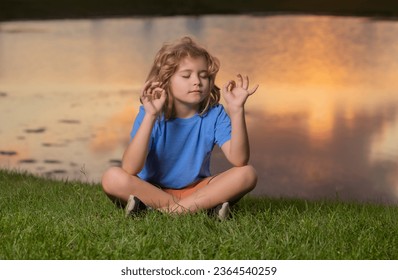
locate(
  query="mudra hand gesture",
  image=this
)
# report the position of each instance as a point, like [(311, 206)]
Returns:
[(153, 98), (236, 93)]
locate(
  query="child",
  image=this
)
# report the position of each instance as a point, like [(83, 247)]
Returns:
[(166, 164)]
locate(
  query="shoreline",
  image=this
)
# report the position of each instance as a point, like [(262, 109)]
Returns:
[(12, 10)]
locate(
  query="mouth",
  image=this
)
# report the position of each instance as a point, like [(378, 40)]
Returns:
[(195, 91)]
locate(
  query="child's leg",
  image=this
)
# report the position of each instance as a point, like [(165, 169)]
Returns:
[(230, 185), (119, 185)]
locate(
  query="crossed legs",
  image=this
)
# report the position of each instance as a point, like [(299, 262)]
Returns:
[(230, 185)]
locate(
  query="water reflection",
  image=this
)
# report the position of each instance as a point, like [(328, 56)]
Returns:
[(296, 164), (323, 124)]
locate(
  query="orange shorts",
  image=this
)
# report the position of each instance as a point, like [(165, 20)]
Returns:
[(188, 190)]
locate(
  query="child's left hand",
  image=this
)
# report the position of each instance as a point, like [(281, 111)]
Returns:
[(236, 94)]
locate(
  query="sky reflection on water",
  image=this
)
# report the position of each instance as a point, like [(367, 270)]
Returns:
[(323, 124)]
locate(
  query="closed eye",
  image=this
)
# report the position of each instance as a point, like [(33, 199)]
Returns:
[(202, 75)]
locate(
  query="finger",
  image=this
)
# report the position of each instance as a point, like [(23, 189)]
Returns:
[(145, 88), (156, 92), (245, 83), (147, 83), (163, 95), (155, 84), (152, 86), (253, 90), (233, 85), (149, 86), (226, 87), (144, 99), (240, 80)]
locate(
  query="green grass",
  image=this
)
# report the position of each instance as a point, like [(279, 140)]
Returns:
[(46, 219)]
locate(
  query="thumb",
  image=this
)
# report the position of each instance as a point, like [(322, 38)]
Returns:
[(228, 86), (253, 90), (163, 95)]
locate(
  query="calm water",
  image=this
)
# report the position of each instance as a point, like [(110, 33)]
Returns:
[(324, 123)]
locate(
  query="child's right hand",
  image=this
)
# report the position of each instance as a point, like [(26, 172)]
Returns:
[(153, 98)]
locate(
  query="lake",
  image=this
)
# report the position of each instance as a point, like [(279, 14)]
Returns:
[(323, 124)]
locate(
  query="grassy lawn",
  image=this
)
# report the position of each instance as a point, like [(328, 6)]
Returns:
[(46, 219)]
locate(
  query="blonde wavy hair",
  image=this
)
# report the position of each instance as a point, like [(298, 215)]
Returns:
[(166, 64)]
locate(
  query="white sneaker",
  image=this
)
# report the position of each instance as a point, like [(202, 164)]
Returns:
[(223, 211), (133, 205)]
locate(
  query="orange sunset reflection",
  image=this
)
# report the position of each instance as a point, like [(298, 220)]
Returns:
[(324, 120), (115, 131)]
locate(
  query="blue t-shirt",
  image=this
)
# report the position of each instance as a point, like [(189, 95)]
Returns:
[(180, 149)]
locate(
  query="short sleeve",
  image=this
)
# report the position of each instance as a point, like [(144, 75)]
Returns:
[(222, 127), (137, 122)]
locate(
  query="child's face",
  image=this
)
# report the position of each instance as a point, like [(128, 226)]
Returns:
[(190, 84)]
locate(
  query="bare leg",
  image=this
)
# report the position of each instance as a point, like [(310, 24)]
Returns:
[(119, 185), (230, 185)]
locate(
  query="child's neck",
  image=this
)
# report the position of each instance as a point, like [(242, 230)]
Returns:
[(185, 112)]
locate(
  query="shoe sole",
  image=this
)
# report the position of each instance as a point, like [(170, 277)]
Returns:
[(224, 211), (132, 206)]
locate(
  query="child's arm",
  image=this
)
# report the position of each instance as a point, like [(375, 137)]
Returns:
[(153, 98), (237, 150)]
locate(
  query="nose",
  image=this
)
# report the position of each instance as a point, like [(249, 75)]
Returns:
[(196, 80)]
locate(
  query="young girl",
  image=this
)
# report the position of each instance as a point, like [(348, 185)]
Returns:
[(166, 166)]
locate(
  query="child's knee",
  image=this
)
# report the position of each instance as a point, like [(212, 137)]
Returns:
[(250, 175), (110, 178)]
